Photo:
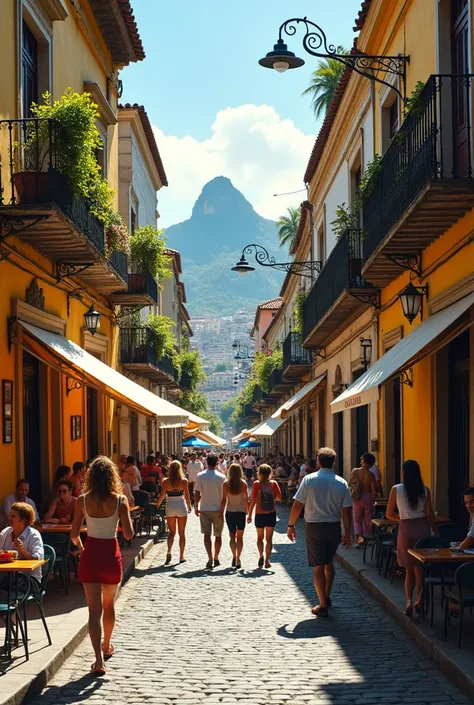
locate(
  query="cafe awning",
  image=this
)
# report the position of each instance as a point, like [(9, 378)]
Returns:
[(195, 422), (208, 437), (75, 362), (278, 418), (425, 340)]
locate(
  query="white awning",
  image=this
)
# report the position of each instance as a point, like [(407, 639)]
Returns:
[(278, 418), (209, 437), (196, 421), (403, 355), (74, 361)]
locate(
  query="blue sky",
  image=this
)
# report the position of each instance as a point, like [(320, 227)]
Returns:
[(201, 71)]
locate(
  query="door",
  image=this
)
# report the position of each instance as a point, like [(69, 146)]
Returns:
[(31, 426), (461, 107), (92, 424), (362, 433), (29, 70), (458, 426), (338, 428)]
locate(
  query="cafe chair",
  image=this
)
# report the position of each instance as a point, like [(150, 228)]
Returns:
[(61, 544), (434, 575), (10, 614), (151, 517), (462, 596), (37, 598)]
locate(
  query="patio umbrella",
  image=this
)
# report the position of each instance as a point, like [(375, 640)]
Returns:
[(249, 444), (194, 442)]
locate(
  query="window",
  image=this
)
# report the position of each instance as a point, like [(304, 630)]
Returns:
[(29, 70), (133, 220), (321, 244), (393, 119), (390, 119)]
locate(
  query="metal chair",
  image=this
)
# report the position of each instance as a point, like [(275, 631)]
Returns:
[(462, 596), (10, 605), (36, 598), (435, 575), (60, 543)]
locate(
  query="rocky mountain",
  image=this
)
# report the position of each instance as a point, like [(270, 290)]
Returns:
[(211, 242)]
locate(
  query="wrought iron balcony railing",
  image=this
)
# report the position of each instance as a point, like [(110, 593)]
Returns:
[(434, 143), (119, 262), (276, 378), (342, 270), (143, 283), (136, 347), (293, 352), (249, 411), (31, 151)]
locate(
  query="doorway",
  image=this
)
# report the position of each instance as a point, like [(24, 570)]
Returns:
[(458, 425), (393, 432), (92, 423), (360, 428), (460, 65), (338, 431), (31, 426)]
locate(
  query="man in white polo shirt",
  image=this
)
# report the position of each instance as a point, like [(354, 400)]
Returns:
[(324, 496), (209, 491), (193, 469)]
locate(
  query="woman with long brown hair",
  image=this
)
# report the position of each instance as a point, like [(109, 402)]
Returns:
[(102, 506), (178, 505), (265, 492), (237, 505)]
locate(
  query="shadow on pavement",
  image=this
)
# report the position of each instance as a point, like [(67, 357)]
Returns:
[(256, 573), (204, 572), (84, 688)]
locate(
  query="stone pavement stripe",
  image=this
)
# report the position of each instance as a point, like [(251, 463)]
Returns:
[(190, 636)]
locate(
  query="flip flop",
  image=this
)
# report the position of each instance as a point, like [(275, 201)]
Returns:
[(168, 559), (319, 611), (260, 562), (99, 672), (108, 654)]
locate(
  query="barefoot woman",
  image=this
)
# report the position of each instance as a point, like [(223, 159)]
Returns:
[(100, 568)]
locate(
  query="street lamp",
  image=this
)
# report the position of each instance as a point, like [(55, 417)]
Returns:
[(366, 351), (92, 320), (303, 269), (243, 351), (411, 299), (315, 43)]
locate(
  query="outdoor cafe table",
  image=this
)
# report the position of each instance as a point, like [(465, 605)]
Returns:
[(440, 555), (57, 528), (380, 524), (13, 568)]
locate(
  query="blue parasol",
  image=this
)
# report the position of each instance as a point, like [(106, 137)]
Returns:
[(249, 444), (194, 442)]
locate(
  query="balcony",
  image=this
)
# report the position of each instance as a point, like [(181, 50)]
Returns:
[(138, 357), (339, 295), (425, 183), (250, 413), (37, 206), (259, 399), (142, 291), (185, 380), (277, 386), (296, 360)]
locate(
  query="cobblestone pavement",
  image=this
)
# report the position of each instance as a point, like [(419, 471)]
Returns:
[(193, 637)]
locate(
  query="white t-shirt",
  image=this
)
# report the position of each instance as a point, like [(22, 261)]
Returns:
[(194, 468), (222, 467), (323, 494), (249, 462), (210, 483), (376, 472)]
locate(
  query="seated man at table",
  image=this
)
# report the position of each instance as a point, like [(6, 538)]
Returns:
[(20, 536), (61, 509), (469, 504), (150, 467), (20, 495)]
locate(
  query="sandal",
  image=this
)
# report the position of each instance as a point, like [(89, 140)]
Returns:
[(320, 611), (268, 564), (260, 562), (101, 671), (408, 612), (168, 559), (108, 654)]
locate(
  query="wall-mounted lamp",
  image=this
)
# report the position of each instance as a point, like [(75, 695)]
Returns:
[(366, 351), (92, 320), (411, 299)]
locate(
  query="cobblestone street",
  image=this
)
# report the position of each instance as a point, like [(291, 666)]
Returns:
[(189, 636)]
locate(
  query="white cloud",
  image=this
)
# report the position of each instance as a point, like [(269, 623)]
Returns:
[(252, 145)]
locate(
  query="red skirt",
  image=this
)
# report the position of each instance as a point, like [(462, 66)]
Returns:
[(101, 562)]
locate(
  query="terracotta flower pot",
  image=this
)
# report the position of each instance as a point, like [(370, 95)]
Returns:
[(32, 186)]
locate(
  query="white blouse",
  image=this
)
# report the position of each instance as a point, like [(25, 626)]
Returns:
[(404, 507)]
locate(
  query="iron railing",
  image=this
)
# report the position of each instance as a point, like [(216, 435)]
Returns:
[(293, 352), (433, 144), (136, 347), (119, 261), (276, 378), (31, 153), (143, 283), (249, 411), (341, 270), (258, 394), (185, 380)]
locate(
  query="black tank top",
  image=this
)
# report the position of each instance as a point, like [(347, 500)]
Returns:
[(175, 493)]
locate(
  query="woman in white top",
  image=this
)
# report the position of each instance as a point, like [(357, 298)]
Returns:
[(415, 514), (236, 497), (102, 506)]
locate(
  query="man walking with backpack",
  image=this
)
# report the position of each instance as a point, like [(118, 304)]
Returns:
[(324, 496), (209, 493)]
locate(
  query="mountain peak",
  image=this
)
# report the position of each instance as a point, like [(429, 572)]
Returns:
[(219, 197)]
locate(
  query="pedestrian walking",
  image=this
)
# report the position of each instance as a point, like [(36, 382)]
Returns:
[(250, 465), (324, 496), (102, 506), (236, 504), (415, 514), (264, 494), (178, 505), (362, 485), (209, 507), (194, 467)]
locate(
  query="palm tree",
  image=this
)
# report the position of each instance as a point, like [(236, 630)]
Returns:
[(324, 82), (287, 227)]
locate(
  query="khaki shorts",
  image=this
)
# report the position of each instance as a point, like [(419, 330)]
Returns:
[(211, 522)]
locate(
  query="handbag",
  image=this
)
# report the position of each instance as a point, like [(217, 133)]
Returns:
[(354, 486)]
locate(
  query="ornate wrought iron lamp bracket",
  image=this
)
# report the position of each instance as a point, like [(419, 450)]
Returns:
[(316, 44), (320, 351), (406, 377), (410, 262), (302, 269), (70, 269), (372, 298), (71, 385)]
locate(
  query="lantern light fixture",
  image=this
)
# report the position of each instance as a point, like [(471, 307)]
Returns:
[(411, 299), (366, 351), (92, 320)]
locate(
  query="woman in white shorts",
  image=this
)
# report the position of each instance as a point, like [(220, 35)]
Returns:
[(178, 505)]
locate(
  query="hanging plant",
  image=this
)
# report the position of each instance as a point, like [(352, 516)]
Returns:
[(298, 307), (147, 252), (117, 236)]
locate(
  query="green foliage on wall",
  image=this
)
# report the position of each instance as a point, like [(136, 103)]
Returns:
[(147, 252)]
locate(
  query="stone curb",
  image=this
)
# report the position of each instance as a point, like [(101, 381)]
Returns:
[(50, 668), (434, 651)]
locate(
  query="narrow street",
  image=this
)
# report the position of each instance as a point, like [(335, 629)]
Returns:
[(189, 636)]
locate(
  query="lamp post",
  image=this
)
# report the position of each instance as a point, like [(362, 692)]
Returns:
[(262, 257), (92, 320), (243, 351), (411, 299), (366, 351), (316, 44)]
